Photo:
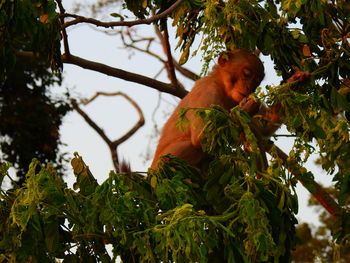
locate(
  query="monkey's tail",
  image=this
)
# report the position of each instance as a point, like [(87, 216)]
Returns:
[(124, 168)]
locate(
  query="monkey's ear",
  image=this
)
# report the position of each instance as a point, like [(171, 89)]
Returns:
[(223, 58)]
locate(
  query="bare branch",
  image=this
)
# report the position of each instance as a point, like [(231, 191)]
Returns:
[(147, 21), (184, 71), (122, 74), (91, 122), (138, 125), (113, 145), (147, 50), (114, 72)]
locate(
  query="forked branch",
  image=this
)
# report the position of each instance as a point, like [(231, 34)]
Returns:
[(113, 145)]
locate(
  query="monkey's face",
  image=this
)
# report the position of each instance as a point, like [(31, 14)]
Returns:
[(240, 80), (241, 73)]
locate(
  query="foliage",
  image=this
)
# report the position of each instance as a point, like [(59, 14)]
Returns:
[(30, 115), (173, 215)]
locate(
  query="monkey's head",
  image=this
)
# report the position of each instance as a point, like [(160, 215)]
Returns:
[(241, 73)]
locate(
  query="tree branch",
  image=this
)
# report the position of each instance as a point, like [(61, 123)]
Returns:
[(81, 19), (169, 64), (132, 46), (137, 126), (185, 72), (64, 32), (122, 74), (91, 122), (113, 145)]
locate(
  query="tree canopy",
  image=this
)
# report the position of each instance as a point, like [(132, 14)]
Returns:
[(174, 214)]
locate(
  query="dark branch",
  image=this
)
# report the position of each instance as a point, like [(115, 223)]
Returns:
[(91, 122), (122, 74), (64, 32), (147, 21), (167, 50), (138, 125), (113, 150)]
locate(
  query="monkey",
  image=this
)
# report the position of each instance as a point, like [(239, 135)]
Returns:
[(237, 75)]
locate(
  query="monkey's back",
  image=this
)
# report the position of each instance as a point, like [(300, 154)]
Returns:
[(206, 92)]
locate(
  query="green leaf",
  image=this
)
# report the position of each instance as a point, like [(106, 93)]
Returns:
[(318, 132), (295, 34), (117, 16), (154, 181)]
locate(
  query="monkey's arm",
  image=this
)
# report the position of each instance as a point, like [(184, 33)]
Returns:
[(202, 100)]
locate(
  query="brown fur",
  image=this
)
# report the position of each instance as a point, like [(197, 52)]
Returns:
[(237, 75)]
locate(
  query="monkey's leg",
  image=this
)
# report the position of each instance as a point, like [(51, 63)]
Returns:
[(181, 149)]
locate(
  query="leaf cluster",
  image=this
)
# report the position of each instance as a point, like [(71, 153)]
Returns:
[(29, 25), (319, 126)]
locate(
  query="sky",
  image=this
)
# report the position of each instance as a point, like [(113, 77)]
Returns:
[(115, 115)]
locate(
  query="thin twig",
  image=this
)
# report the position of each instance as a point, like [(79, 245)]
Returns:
[(80, 19), (147, 50), (184, 71)]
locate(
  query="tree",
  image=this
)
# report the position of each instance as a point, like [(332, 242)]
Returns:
[(30, 115), (174, 214)]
